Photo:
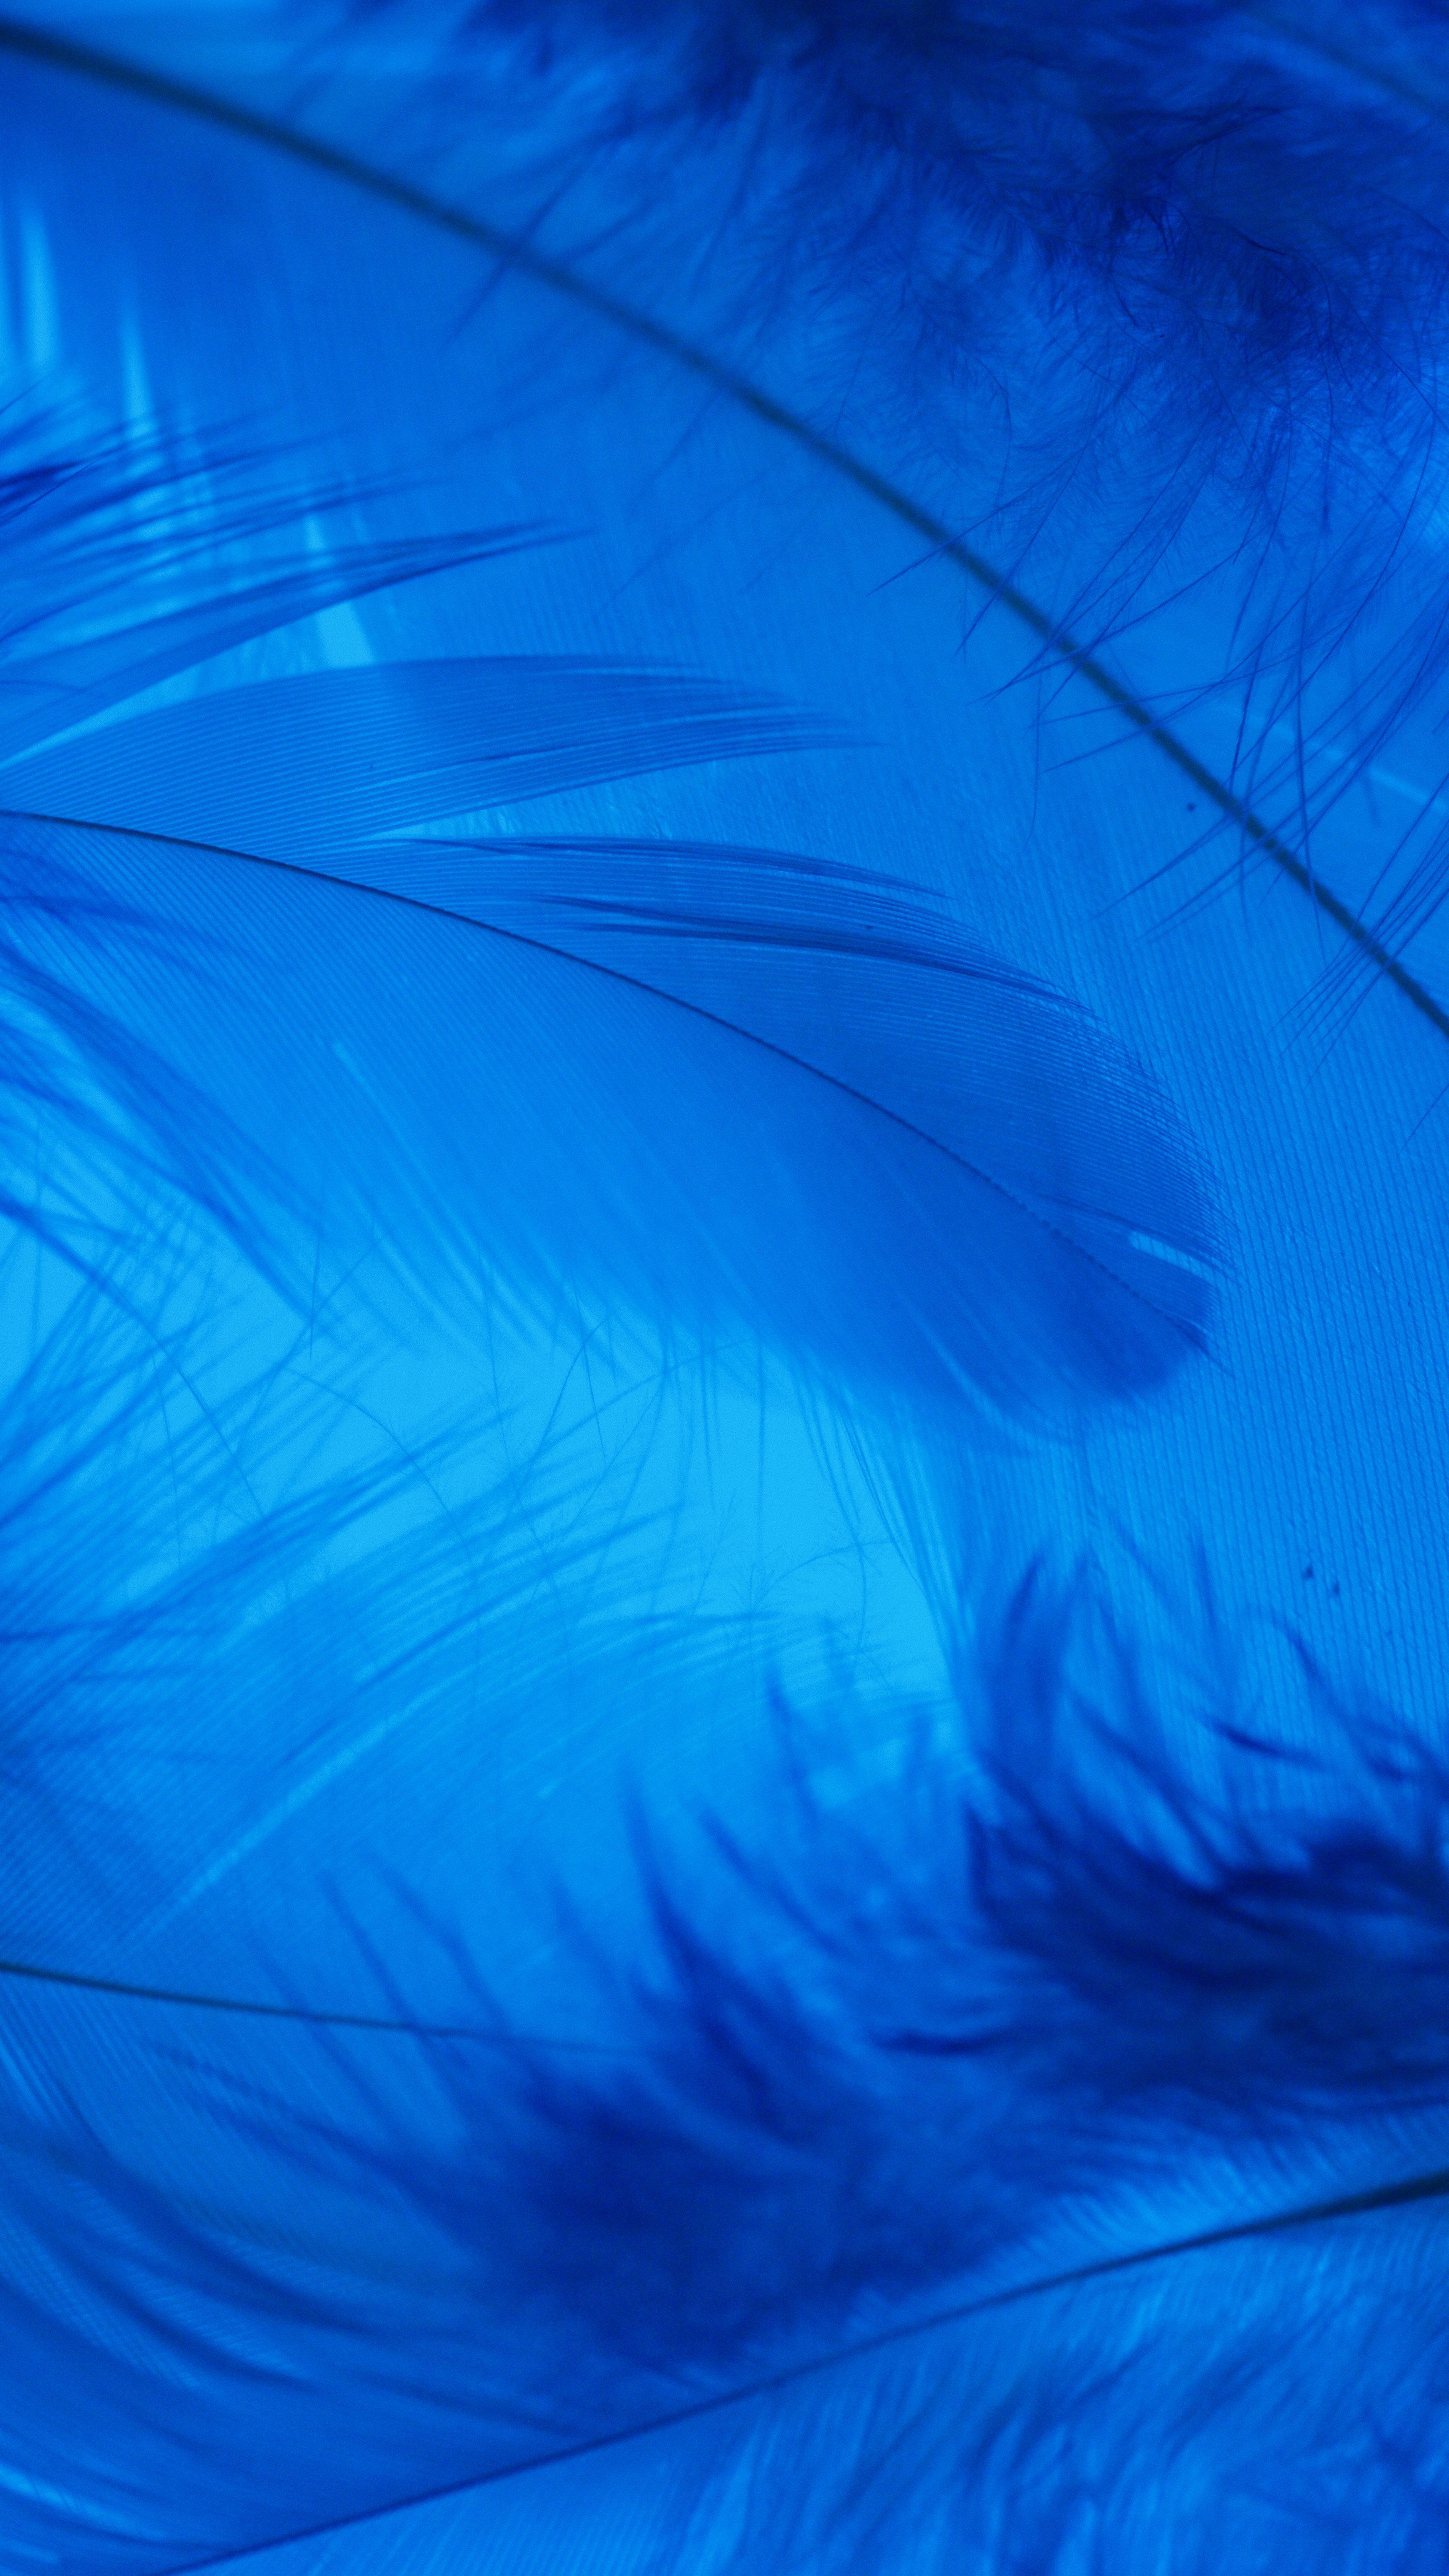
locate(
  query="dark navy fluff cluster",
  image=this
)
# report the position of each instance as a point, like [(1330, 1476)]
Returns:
[(615, 619), (1151, 299), (1017, 2151)]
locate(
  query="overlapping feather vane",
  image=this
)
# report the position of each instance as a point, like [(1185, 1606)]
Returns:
[(723, 1290)]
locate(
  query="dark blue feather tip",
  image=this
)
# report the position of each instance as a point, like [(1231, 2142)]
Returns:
[(721, 841)]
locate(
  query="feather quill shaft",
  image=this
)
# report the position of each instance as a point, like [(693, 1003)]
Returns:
[(720, 859)]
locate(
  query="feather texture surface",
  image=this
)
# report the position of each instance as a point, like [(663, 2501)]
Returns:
[(723, 1289)]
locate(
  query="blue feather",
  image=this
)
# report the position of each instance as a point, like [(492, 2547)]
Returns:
[(719, 846), (970, 2171), (890, 1078)]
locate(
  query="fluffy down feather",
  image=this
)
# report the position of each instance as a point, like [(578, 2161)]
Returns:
[(639, 647)]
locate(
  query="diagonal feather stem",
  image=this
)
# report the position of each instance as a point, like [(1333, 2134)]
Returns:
[(614, 974), (92, 63), (309, 2016), (1412, 2191)]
